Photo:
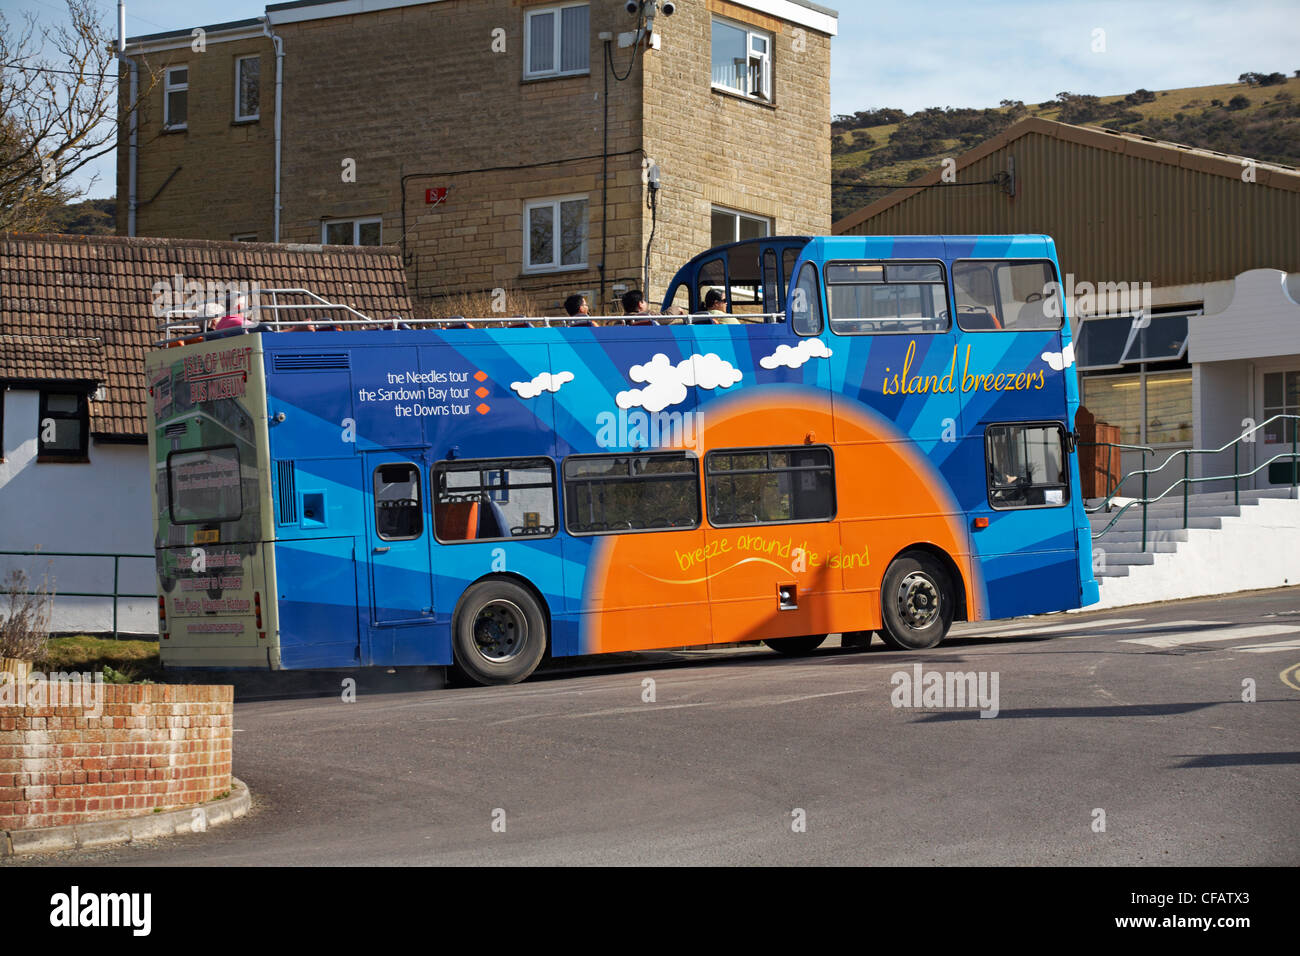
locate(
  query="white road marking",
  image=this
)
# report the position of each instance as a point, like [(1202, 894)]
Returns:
[(1015, 630), (1268, 648), (1168, 625), (1207, 637)]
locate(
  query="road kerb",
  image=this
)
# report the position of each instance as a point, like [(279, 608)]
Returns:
[(85, 836)]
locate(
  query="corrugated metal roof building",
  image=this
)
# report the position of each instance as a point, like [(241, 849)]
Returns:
[(1161, 245), (1119, 206)]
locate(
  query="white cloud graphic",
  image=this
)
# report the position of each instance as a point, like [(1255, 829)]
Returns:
[(1060, 360), (795, 357), (546, 382), (666, 383)]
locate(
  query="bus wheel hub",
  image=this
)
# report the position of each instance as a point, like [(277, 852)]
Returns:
[(500, 630), (918, 600)]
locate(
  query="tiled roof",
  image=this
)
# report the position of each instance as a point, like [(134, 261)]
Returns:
[(52, 357), (81, 307)]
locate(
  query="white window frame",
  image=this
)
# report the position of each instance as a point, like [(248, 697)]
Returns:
[(169, 88), (555, 202), (763, 59), (356, 229), (738, 214), (556, 42), (240, 117)]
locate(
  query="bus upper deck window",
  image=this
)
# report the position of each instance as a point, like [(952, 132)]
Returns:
[(1006, 295), (882, 297), (806, 303), (398, 513)]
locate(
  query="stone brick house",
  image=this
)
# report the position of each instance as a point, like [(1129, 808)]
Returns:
[(503, 144), (76, 319)]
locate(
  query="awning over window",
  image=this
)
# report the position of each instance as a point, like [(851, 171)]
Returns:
[(1114, 341)]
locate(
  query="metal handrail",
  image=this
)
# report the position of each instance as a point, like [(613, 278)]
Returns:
[(114, 594), (1108, 445), (1187, 480)]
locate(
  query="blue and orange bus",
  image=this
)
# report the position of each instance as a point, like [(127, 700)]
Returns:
[(876, 435)]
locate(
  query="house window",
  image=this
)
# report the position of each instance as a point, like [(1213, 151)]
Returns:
[(1281, 397), (557, 41), (352, 232), (555, 234), (742, 60), (728, 225), (248, 84), (64, 426), (176, 97)]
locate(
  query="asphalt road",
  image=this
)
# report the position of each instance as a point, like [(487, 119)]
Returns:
[(1134, 712)]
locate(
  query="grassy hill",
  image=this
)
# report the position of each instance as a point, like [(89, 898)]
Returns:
[(1260, 120)]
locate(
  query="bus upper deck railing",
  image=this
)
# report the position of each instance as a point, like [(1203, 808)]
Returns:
[(191, 324)]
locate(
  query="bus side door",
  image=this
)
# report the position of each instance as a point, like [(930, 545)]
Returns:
[(398, 536)]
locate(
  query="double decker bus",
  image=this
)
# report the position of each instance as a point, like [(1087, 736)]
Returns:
[(877, 436)]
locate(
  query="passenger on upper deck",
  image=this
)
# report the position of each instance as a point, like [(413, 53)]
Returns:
[(236, 317), (715, 304), (576, 305)]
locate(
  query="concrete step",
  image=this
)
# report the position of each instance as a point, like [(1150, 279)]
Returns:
[(1154, 546), (1120, 560), (1158, 524), (1115, 537), (1111, 571)]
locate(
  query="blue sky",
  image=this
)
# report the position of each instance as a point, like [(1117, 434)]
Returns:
[(948, 52)]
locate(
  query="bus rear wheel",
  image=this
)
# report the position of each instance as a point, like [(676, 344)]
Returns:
[(795, 646), (499, 635), (917, 602)]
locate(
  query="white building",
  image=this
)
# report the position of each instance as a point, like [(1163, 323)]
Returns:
[(76, 318)]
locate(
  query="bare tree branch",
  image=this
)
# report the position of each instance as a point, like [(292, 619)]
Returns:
[(57, 112)]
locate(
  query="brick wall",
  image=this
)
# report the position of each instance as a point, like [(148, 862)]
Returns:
[(420, 92), (224, 170), (152, 745)]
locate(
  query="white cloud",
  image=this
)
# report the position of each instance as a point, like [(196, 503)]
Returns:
[(1060, 360), (546, 382), (666, 383), (795, 357)]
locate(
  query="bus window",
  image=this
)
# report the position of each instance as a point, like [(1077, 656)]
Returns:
[(712, 275), (205, 485), (1026, 466), (745, 280), (771, 283), (494, 499), (769, 485), (806, 303), (1002, 294), (398, 513), (615, 494), (871, 298), (788, 258)]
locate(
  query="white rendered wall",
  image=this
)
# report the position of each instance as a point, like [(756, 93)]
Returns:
[(102, 507), (1260, 549)]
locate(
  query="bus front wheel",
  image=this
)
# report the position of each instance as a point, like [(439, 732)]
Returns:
[(500, 633), (916, 602), (796, 646)]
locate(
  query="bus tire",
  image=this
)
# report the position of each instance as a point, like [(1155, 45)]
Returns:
[(917, 602), (499, 634), (795, 646)]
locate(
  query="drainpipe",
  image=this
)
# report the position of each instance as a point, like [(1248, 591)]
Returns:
[(133, 142), (279, 128)]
